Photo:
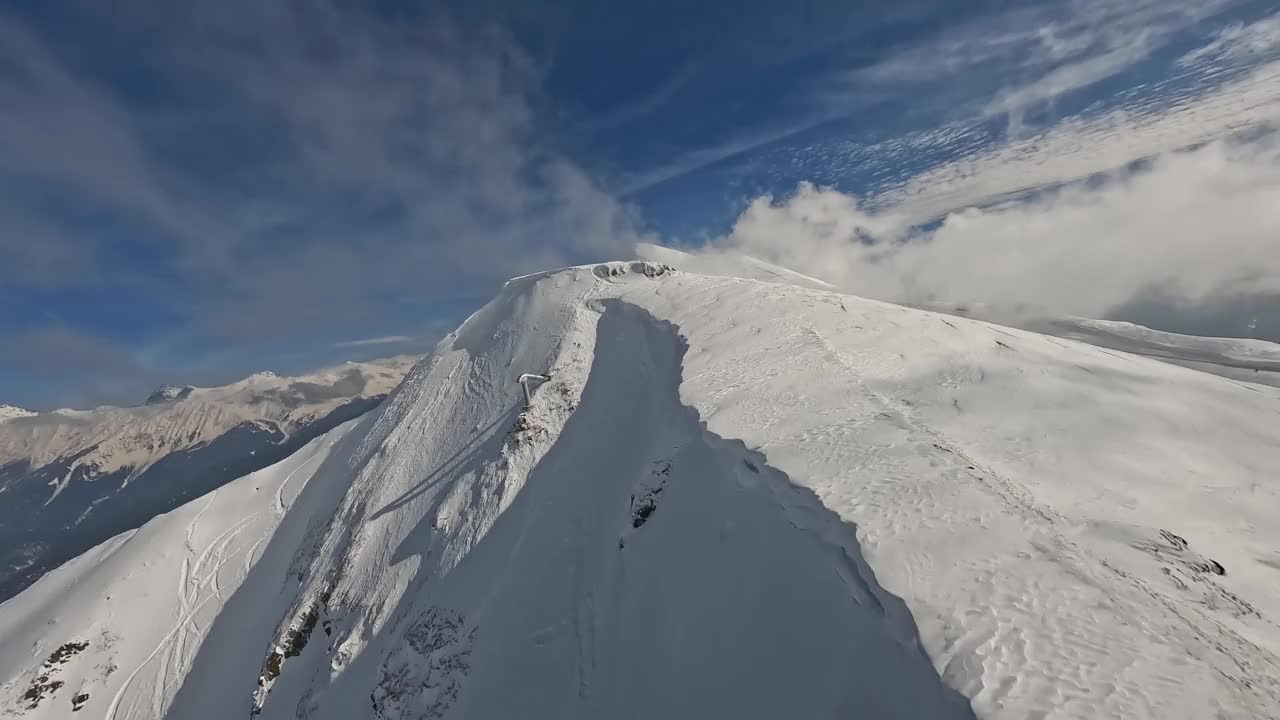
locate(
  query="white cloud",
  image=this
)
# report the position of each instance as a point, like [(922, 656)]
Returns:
[(1078, 147), (280, 171), (1082, 73), (1095, 40), (1194, 225), (317, 159), (712, 154), (365, 342), (1041, 51), (1004, 65), (1239, 42)]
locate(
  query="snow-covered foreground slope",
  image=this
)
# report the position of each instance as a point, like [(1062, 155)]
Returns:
[(135, 609), (732, 499), (72, 479)]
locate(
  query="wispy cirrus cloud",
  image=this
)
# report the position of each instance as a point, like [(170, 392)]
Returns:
[(384, 340), (1075, 148), (1013, 64), (1154, 203), (1237, 43)]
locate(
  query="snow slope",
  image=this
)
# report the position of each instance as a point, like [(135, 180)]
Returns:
[(71, 479), (140, 604), (733, 499), (1251, 360), (728, 263)]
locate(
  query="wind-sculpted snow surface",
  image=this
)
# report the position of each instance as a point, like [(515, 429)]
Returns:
[(732, 499)]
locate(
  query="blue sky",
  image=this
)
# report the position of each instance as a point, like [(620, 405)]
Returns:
[(190, 192)]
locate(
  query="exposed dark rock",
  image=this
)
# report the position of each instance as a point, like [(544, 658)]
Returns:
[(640, 511), (169, 393), (423, 676), (45, 685), (1209, 565), (1177, 542)]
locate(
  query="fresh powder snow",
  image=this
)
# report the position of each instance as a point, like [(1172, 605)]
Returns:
[(748, 498)]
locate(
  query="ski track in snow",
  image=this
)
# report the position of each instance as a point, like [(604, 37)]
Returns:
[(215, 541), (195, 586)]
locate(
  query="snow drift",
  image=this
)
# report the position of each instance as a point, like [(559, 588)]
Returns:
[(732, 499)]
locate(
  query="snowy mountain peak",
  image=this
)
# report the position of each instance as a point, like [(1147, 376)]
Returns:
[(167, 393), (9, 412)]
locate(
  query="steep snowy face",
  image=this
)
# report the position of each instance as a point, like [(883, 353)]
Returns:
[(730, 499), (71, 479)]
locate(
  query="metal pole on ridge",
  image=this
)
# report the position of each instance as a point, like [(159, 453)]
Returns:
[(524, 385)]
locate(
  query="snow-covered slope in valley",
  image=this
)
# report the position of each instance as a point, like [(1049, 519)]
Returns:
[(1255, 361), (1241, 350), (71, 479), (732, 499)]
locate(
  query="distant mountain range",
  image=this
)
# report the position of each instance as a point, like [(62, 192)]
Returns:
[(70, 479)]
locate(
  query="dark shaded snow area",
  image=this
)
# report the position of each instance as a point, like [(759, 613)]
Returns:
[(738, 595)]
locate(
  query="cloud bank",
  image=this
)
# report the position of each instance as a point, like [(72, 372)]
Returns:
[(1156, 203), (1191, 226)]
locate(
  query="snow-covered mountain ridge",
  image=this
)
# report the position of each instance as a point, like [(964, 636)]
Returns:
[(1252, 360), (9, 412), (71, 479), (732, 499), (138, 436)]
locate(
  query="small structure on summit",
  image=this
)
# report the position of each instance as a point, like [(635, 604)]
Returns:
[(524, 381)]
